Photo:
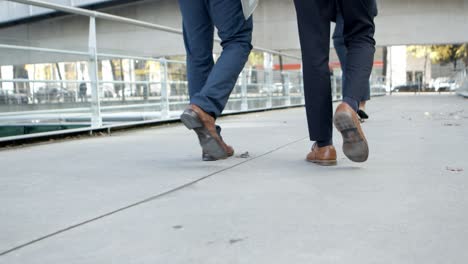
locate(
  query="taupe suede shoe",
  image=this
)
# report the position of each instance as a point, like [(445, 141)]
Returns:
[(204, 125), (325, 156), (355, 145)]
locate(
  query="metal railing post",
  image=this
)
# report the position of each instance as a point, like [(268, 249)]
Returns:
[(96, 118), (287, 88), (334, 89), (301, 86), (268, 66), (146, 96), (244, 104), (164, 89), (269, 85), (131, 70)]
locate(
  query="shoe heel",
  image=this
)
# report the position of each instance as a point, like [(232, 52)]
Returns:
[(213, 149), (191, 120), (355, 146), (343, 121)]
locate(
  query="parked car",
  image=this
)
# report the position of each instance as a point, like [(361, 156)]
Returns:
[(275, 88), (378, 88), (55, 94), (7, 97), (406, 88), (445, 84)]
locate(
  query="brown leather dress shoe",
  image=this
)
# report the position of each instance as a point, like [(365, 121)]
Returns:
[(325, 156), (204, 125), (230, 150), (355, 145)]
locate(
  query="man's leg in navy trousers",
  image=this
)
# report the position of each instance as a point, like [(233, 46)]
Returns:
[(198, 39), (210, 84), (358, 31), (314, 32), (236, 34)]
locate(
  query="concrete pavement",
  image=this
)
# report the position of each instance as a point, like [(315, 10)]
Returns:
[(145, 197)]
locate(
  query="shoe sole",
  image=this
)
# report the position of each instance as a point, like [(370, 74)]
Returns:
[(208, 143), (210, 158), (324, 162), (355, 145)]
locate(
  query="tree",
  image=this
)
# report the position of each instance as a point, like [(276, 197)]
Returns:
[(20, 72), (385, 61), (117, 75), (445, 54), (256, 59), (425, 52), (114, 65), (255, 62), (463, 53), (57, 67)]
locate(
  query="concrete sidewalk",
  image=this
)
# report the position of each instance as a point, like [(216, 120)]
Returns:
[(145, 196)]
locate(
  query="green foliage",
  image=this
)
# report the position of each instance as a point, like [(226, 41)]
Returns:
[(443, 54), (256, 58), (421, 51), (446, 53), (463, 53)]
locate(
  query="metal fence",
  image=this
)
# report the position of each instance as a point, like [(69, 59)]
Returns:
[(142, 89)]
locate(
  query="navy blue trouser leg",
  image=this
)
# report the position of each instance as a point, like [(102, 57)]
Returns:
[(314, 33), (342, 51), (314, 18), (358, 32), (198, 39), (340, 47), (211, 84)]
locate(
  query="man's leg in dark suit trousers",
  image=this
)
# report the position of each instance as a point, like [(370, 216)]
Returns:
[(358, 16), (211, 85), (198, 40), (341, 51), (314, 32), (340, 47), (359, 29)]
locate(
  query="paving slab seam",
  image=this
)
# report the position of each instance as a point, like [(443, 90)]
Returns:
[(147, 200)]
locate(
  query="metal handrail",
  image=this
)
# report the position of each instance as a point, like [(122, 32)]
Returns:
[(105, 16), (68, 52), (92, 56)]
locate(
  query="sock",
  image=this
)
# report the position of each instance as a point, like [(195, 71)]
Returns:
[(324, 143), (351, 102)]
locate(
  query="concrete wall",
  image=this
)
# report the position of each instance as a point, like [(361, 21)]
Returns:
[(399, 22), (419, 65), (11, 11), (422, 22), (396, 71), (71, 32)]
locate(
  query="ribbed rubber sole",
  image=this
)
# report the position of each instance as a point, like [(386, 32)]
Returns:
[(355, 145), (208, 143)]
